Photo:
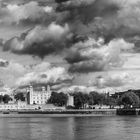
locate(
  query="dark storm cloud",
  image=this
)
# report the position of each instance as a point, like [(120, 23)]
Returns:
[(88, 66), (113, 21), (93, 55), (87, 10), (40, 40), (107, 18)]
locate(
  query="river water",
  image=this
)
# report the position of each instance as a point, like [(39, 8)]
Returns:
[(70, 128)]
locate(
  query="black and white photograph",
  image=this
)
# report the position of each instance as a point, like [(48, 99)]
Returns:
[(69, 69)]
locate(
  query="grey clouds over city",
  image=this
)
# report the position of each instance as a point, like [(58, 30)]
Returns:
[(71, 45)]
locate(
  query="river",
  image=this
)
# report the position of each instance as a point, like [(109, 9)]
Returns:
[(70, 128)]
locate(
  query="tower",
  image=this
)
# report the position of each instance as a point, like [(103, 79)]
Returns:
[(31, 92), (48, 92), (70, 101), (43, 95)]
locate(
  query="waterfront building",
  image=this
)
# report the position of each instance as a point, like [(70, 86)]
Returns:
[(14, 106), (37, 96)]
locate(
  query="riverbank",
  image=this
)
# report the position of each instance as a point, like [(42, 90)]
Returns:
[(71, 112), (79, 112), (131, 111)]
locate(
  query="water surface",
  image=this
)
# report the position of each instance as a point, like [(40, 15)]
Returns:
[(70, 128)]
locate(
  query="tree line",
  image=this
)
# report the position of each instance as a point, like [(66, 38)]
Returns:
[(127, 99), (6, 98)]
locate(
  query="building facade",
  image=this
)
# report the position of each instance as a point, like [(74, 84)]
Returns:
[(38, 97)]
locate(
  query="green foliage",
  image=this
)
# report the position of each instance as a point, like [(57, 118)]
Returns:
[(58, 99), (19, 96), (129, 99), (80, 99), (111, 102), (6, 98), (96, 98)]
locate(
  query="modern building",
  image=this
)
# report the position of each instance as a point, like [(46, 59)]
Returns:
[(37, 96)]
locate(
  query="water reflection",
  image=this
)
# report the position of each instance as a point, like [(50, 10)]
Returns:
[(70, 128)]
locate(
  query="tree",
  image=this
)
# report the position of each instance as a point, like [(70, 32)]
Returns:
[(111, 102), (19, 96), (58, 99), (80, 99), (6, 98), (62, 98), (129, 99), (91, 99), (97, 98)]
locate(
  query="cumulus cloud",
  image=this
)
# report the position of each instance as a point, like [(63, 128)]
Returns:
[(44, 74), (3, 63), (32, 12), (10, 71), (11, 67), (107, 27), (92, 55), (17, 75), (114, 80), (110, 19), (40, 40), (76, 88)]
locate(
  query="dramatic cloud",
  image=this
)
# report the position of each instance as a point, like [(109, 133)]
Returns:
[(11, 67), (91, 36), (112, 80), (10, 71), (40, 40), (31, 12), (86, 11), (76, 88), (91, 55), (16, 75), (44, 74), (109, 19)]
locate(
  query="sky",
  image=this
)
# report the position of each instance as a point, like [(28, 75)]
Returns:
[(72, 45)]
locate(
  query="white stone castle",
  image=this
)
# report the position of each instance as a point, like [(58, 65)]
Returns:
[(38, 97), (34, 99)]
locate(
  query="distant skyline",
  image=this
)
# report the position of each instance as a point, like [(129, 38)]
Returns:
[(70, 45)]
